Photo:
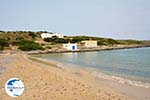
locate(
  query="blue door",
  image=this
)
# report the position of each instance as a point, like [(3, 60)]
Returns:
[(73, 47)]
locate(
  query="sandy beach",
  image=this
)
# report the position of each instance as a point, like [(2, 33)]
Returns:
[(45, 80)]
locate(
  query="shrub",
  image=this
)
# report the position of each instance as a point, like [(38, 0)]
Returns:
[(129, 42), (112, 41), (56, 40), (27, 45), (3, 43)]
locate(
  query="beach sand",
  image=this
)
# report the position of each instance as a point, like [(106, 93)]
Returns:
[(49, 81)]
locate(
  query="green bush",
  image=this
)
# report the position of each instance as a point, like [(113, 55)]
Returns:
[(79, 39), (130, 42), (27, 45), (101, 42), (112, 41), (107, 41), (3, 43), (56, 40)]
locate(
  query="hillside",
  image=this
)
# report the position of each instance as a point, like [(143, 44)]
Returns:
[(28, 40)]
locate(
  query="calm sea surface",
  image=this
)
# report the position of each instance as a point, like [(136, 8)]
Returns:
[(127, 63)]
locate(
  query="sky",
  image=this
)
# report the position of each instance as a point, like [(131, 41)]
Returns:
[(118, 19)]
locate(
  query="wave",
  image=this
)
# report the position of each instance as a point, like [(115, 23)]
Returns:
[(121, 79)]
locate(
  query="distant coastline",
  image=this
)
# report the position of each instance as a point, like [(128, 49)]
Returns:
[(49, 42), (102, 48)]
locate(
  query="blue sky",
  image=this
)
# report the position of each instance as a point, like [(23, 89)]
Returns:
[(120, 19)]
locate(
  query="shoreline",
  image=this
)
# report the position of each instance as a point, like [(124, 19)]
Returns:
[(101, 48), (46, 81), (95, 72), (121, 84), (60, 74)]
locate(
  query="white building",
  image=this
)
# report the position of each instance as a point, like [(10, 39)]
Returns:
[(90, 43), (70, 46), (46, 35), (49, 35), (58, 35)]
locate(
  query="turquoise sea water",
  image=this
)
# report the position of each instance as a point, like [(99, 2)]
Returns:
[(127, 63)]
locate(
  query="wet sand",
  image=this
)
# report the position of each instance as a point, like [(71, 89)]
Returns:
[(45, 80)]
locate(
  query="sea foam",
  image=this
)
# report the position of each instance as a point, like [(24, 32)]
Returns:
[(121, 80)]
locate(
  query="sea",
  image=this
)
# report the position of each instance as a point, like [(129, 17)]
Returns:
[(130, 66)]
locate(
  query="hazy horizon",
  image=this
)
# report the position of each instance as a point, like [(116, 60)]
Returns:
[(116, 19)]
